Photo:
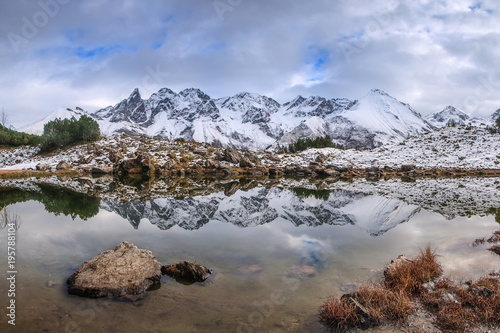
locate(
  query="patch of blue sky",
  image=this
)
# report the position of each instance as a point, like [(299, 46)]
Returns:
[(74, 35), (476, 6), (167, 18), (479, 6), (156, 45), (214, 48), (318, 78), (317, 57), (356, 35), (106, 50)]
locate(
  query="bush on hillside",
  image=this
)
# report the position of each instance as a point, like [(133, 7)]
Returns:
[(61, 133), (9, 137), (319, 142)]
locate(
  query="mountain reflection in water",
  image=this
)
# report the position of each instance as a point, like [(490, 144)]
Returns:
[(241, 202), (258, 235)]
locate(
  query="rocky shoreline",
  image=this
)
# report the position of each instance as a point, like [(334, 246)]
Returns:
[(413, 296), (447, 152)]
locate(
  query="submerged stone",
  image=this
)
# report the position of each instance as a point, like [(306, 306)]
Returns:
[(301, 272), (252, 269), (125, 270), (186, 272)]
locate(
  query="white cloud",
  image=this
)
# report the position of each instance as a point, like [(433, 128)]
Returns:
[(426, 53)]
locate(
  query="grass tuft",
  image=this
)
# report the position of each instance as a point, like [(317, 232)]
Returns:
[(339, 314), (409, 276), (456, 307), (468, 307)]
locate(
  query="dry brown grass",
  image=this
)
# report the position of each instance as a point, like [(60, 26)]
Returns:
[(409, 276), (17, 174), (478, 241), (472, 306), (495, 249), (385, 304), (456, 307), (381, 304), (339, 314), (495, 238)]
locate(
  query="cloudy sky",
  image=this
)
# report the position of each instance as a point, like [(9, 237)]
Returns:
[(93, 53)]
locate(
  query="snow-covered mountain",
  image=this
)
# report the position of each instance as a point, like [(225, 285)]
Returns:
[(371, 213), (493, 118), (62, 113), (386, 117), (449, 116), (373, 121), (258, 122)]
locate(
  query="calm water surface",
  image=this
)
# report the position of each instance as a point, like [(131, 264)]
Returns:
[(254, 240)]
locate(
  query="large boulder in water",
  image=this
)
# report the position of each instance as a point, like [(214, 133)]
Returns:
[(125, 270)]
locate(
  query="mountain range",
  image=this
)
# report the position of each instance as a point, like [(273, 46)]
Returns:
[(258, 122), (258, 206)]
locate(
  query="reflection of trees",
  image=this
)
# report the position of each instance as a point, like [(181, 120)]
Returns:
[(496, 212), (57, 200), (306, 193), (8, 218)]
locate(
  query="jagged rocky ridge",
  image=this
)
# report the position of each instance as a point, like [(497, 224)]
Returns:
[(260, 206), (256, 122), (451, 116)]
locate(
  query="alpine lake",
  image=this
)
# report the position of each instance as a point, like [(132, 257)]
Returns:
[(277, 247)]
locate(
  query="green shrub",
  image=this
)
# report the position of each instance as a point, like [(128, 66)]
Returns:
[(492, 130), (319, 142), (61, 133), (9, 137)]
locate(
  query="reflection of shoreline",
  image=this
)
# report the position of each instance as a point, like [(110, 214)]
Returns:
[(191, 203), (57, 200), (260, 206)]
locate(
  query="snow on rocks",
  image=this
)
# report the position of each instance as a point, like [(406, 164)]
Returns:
[(467, 148), (449, 147)]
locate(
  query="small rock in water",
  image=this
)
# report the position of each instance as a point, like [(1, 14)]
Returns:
[(391, 269), (301, 272), (50, 284), (186, 272), (252, 269), (348, 288)]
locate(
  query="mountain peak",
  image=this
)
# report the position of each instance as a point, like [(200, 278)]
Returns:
[(245, 94), (134, 96), (451, 108), (376, 91), (449, 116), (194, 92)]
